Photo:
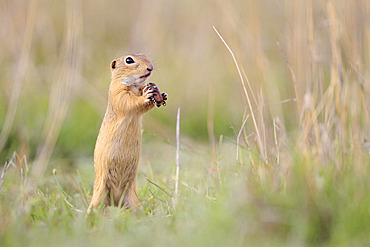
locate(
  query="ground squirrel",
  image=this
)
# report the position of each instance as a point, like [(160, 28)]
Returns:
[(117, 149)]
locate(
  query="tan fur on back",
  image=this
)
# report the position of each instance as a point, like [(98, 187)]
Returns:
[(117, 149)]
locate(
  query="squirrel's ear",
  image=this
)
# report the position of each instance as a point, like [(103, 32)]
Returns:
[(113, 65)]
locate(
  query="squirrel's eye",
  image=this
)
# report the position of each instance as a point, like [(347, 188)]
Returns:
[(129, 60)]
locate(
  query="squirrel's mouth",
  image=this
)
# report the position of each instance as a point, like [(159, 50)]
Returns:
[(146, 75)]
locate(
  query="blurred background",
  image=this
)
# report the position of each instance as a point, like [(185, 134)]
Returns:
[(55, 57), (274, 144)]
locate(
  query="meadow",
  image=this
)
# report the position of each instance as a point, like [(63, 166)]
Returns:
[(274, 137)]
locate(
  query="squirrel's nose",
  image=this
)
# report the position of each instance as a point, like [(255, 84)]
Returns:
[(150, 67)]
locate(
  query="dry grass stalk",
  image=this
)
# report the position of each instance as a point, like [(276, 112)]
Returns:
[(177, 156), (63, 90), (309, 122), (277, 143), (293, 76), (247, 96), (238, 138), (6, 166), (20, 74), (250, 87)]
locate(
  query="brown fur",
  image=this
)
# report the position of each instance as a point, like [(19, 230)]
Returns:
[(117, 149)]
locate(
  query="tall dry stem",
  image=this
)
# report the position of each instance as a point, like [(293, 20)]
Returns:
[(177, 156), (20, 74), (62, 92), (247, 96)]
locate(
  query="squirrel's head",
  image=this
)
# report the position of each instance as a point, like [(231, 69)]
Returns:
[(131, 70)]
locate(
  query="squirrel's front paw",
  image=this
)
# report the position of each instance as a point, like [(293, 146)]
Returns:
[(158, 98), (149, 95), (164, 97)]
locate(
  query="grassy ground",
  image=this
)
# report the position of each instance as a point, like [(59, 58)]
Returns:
[(312, 204), (274, 145)]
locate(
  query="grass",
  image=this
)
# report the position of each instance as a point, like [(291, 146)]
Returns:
[(312, 205), (274, 144)]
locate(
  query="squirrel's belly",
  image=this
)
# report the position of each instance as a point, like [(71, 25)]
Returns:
[(126, 142), (117, 154)]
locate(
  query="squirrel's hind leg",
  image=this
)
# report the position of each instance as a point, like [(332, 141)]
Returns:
[(99, 191)]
